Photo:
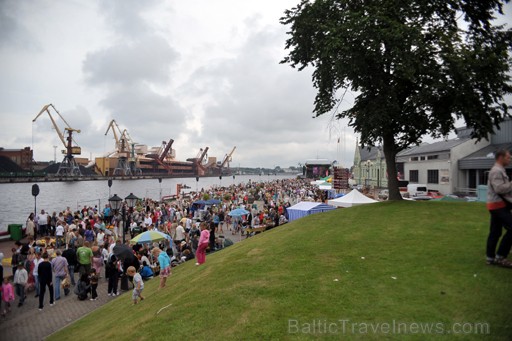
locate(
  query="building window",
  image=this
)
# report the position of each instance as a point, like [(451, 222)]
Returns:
[(413, 175), (415, 158), (422, 158), (432, 157), (433, 176)]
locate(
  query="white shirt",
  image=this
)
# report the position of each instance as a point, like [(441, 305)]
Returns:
[(148, 221), (256, 221), (42, 219), (59, 231), (180, 233), (36, 264), (100, 237)]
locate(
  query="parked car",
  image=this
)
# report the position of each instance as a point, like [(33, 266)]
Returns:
[(384, 194), (417, 190)]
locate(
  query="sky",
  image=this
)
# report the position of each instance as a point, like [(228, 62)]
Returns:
[(204, 73)]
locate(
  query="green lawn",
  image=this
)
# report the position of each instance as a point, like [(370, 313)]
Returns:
[(402, 263)]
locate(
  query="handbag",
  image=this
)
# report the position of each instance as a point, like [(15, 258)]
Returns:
[(66, 282)]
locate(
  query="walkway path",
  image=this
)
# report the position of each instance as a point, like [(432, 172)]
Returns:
[(28, 323)]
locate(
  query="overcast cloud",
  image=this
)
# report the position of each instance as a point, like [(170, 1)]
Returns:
[(205, 73)]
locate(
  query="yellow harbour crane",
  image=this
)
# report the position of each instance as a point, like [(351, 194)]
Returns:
[(227, 159), (68, 166), (125, 150)]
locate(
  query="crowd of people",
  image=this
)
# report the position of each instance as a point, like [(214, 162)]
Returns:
[(74, 250)]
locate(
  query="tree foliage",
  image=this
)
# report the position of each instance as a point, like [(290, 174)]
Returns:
[(416, 66)]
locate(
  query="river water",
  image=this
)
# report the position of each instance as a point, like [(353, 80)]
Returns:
[(16, 200)]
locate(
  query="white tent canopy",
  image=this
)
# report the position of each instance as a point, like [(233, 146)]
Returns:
[(354, 198)]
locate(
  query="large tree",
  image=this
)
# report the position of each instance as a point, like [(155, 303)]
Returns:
[(416, 67)]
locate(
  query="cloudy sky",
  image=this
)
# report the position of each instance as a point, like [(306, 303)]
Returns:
[(205, 73)]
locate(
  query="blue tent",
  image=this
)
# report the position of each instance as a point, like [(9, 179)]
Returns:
[(305, 208), (212, 202)]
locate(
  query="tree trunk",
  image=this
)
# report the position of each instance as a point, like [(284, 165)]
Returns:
[(390, 152)]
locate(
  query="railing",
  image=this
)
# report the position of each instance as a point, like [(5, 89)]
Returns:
[(81, 203), (22, 174), (466, 190)]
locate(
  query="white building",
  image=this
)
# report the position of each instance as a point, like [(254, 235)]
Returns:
[(475, 167), (437, 164), (458, 165)]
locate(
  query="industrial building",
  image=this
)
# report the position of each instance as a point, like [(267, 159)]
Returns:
[(21, 157)]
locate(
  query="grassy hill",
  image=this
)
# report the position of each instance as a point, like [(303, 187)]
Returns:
[(402, 263)]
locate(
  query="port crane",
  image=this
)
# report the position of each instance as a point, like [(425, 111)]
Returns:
[(125, 149), (227, 159), (165, 152), (68, 166), (200, 159)]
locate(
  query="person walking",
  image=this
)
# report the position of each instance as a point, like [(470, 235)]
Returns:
[(112, 271), (37, 260), (499, 204), (84, 256), (45, 274), (70, 255), (20, 280), (165, 265), (138, 284), (60, 270), (7, 295), (204, 240)]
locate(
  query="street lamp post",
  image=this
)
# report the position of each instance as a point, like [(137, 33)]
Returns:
[(368, 163), (131, 201), (116, 203), (109, 183), (160, 182)]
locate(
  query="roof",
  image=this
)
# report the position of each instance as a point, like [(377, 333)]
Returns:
[(351, 199), (318, 162), (304, 205), (370, 152), (483, 158), (435, 147)]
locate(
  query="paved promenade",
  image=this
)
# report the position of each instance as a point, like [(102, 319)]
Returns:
[(28, 323)]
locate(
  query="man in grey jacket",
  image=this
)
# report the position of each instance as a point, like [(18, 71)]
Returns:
[(499, 201)]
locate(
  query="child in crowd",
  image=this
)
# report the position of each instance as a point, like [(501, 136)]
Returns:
[(94, 284), (20, 280), (7, 295), (138, 284), (146, 272)]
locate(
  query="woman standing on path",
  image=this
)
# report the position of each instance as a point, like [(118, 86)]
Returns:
[(165, 265), (204, 240), (97, 259), (31, 226)]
